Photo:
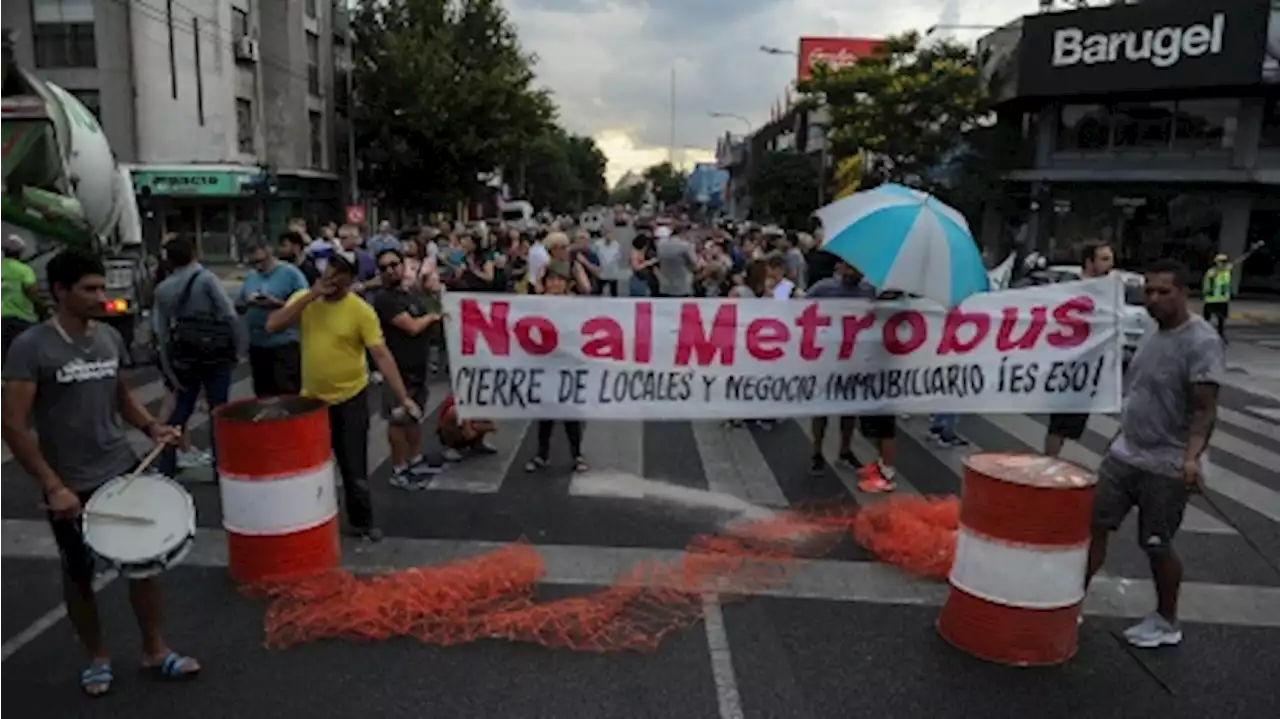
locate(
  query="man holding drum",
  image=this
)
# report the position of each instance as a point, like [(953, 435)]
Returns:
[(64, 374)]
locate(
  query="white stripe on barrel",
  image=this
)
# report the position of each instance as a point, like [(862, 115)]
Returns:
[(262, 507)]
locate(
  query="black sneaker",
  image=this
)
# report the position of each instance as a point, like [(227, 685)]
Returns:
[(846, 459), (817, 465), (424, 468), (483, 447)]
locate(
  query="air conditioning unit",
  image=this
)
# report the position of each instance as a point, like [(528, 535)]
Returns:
[(247, 49)]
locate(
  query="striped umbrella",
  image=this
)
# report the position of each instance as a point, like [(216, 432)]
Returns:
[(906, 240)]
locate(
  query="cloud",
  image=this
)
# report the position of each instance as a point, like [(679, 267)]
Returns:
[(610, 62)]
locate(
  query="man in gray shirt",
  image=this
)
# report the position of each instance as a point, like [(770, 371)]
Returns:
[(194, 294), (1155, 460), (677, 264), (65, 375)]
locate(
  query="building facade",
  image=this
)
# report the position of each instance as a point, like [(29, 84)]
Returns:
[(1154, 126), (205, 102)]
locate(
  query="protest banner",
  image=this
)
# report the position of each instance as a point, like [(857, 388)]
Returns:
[(1044, 349)]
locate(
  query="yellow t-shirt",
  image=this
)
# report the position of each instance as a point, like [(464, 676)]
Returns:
[(335, 336)]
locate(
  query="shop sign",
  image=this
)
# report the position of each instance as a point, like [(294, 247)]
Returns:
[(1143, 47), (213, 183)]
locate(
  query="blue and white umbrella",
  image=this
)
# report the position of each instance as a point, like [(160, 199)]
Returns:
[(906, 240)]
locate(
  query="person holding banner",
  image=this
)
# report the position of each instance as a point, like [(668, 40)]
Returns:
[(1096, 260), (846, 282), (556, 282)]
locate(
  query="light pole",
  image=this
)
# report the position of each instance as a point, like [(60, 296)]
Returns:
[(730, 116)]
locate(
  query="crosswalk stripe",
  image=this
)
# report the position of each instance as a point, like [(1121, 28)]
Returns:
[(1260, 499), (1272, 412), (1031, 433), (484, 474), (379, 443), (733, 464), (1253, 424)]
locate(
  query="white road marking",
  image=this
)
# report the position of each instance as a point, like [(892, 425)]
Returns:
[(722, 673), (734, 466), (1273, 413), (48, 620)]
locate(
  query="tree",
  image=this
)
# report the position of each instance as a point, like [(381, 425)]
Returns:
[(443, 92), (908, 105), (668, 182), (784, 188), (562, 171)]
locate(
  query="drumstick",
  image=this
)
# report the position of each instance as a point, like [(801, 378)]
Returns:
[(130, 518), (142, 466)]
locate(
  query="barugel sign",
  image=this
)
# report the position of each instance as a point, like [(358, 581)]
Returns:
[(1162, 47), (1148, 46)]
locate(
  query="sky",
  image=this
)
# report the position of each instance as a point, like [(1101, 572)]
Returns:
[(609, 62)]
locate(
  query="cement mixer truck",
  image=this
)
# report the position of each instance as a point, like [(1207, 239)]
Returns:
[(63, 187)]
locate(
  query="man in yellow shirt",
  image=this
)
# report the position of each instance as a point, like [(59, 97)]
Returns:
[(337, 329)]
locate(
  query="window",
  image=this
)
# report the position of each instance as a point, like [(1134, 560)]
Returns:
[(1270, 125), (91, 99), (313, 63), (1205, 124), (62, 33), (316, 121), (1142, 124), (1186, 125), (244, 125), (1084, 127), (239, 22), (312, 10)]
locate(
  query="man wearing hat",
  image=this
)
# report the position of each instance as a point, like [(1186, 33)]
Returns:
[(1217, 288)]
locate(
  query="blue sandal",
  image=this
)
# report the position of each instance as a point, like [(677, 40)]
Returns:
[(97, 675), (174, 667)]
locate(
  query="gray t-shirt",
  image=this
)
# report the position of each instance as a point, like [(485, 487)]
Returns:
[(77, 407), (1156, 424), (676, 263)]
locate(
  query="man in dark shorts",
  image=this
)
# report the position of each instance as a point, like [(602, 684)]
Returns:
[(406, 314), (1155, 460), (1096, 260), (64, 375), (845, 282)]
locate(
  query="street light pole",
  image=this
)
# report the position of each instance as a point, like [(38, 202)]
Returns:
[(731, 116)]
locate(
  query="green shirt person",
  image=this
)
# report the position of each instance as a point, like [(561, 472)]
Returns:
[(18, 294), (1216, 288)]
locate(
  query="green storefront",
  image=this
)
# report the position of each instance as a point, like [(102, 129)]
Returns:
[(218, 207)]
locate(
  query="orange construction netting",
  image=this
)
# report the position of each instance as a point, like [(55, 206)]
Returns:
[(493, 595)]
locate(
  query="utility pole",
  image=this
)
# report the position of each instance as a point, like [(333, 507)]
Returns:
[(671, 153)]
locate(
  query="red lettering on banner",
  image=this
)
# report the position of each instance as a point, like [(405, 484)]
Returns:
[(980, 322), (535, 335), (1074, 328), (492, 328), (604, 339), (542, 343), (695, 343), (765, 338), (1006, 342), (644, 332), (915, 322), (809, 322), (850, 326)]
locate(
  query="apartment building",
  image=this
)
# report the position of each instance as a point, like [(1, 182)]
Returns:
[(226, 110)]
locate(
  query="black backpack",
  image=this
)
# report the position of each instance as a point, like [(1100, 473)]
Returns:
[(199, 340)]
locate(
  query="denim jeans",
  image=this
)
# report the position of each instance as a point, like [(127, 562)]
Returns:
[(945, 424), (215, 382)]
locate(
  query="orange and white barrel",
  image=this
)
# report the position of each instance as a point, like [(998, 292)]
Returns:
[(1018, 578), (276, 479)]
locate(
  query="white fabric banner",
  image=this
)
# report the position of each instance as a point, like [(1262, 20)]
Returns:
[(1045, 349)]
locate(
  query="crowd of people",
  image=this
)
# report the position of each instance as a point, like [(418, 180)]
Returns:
[(337, 317)]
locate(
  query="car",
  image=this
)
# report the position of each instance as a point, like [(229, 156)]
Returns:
[(1135, 321)]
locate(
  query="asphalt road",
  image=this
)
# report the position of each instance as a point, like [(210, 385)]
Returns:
[(851, 637)]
